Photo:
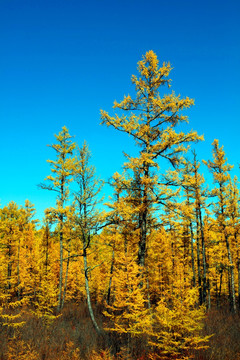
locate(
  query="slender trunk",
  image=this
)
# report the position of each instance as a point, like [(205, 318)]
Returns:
[(200, 232), (145, 204), (229, 290), (209, 295), (143, 229), (62, 191), (86, 226), (61, 269), (199, 263), (148, 293), (142, 242), (216, 293), (172, 252), (88, 293), (46, 254), (220, 285), (66, 279), (9, 267), (111, 276), (143, 234), (192, 242), (185, 254), (192, 255), (204, 279), (173, 239), (232, 296), (232, 280), (238, 269), (18, 270)]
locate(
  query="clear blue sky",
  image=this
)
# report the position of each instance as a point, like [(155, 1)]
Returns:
[(63, 61)]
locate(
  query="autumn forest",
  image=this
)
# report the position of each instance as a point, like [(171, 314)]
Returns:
[(150, 273)]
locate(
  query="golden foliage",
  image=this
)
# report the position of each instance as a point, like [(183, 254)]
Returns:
[(18, 349)]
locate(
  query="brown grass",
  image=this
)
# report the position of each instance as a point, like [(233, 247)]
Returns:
[(70, 334), (72, 337), (225, 342)]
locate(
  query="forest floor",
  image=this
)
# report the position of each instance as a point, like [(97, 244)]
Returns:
[(72, 337), (225, 341)]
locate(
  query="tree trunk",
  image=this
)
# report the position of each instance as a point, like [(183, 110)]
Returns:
[(46, 254), (199, 263), (232, 280), (192, 255), (143, 238), (232, 296), (209, 295), (66, 278), (9, 267), (61, 269), (111, 276), (99, 332), (220, 285), (204, 280), (143, 229), (18, 270), (238, 269)]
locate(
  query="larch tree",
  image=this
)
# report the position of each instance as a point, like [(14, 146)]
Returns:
[(16, 238), (196, 196), (12, 219), (47, 292), (129, 315), (234, 211), (220, 170), (151, 119), (63, 169), (188, 214), (88, 218)]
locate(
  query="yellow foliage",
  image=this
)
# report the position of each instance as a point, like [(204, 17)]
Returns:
[(70, 352), (18, 349), (102, 355), (177, 323), (129, 312)]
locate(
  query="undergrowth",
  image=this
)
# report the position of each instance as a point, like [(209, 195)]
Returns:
[(71, 336)]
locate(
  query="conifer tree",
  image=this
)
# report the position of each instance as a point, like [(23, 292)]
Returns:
[(188, 213), (234, 211), (63, 169), (88, 218), (220, 170), (16, 242), (196, 194), (151, 120), (128, 314), (13, 220)]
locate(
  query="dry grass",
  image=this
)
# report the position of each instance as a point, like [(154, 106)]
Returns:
[(72, 337), (225, 342), (69, 336)]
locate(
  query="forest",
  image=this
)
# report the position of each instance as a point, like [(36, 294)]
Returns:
[(152, 272)]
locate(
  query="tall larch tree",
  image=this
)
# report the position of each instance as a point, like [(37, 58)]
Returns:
[(220, 170), (150, 119), (62, 170), (17, 268), (196, 196), (12, 221), (88, 218), (234, 211)]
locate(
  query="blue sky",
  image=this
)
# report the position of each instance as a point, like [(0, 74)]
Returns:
[(63, 61)]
